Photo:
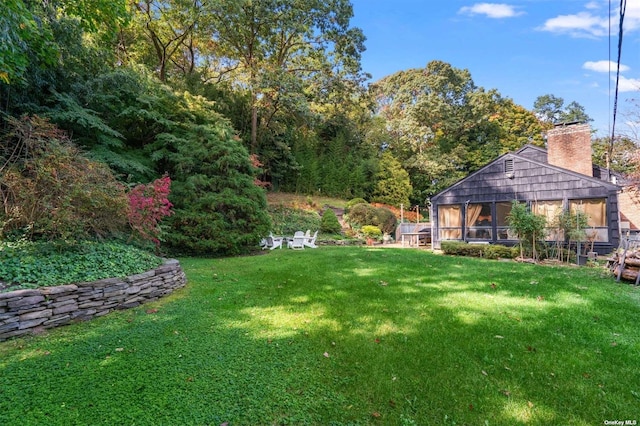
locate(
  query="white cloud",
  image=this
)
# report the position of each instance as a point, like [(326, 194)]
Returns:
[(603, 66), (491, 10), (589, 24), (592, 5), (582, 24), (632, 16), (628, 84)]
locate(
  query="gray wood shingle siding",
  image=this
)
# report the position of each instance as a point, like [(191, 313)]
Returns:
[(532, 180), (533, 153)]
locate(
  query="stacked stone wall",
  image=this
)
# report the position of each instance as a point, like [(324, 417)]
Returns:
[(30, 310)]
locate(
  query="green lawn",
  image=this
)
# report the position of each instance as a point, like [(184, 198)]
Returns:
[(343, 336)]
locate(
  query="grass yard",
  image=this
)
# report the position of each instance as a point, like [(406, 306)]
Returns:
[(339, 336)]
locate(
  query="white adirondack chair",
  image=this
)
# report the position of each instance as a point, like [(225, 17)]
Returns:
[(310, 241), (297, 242), (272, 242)]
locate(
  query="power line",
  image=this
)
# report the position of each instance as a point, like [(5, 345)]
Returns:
[(609, 57), (623, 7)]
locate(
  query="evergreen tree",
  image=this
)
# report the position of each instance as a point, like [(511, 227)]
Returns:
[(393, 185), (329, 223)]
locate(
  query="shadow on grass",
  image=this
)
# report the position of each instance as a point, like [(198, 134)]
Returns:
[(343, 336), (514, 343)]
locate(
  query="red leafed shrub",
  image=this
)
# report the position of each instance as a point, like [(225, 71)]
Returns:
[(148, 205)]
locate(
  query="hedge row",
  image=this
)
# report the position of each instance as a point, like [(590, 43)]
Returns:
[(488, 251)]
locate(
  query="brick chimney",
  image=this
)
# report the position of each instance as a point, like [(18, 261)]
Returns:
[(569, 147)]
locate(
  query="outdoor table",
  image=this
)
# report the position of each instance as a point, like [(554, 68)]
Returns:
[(411, 236)]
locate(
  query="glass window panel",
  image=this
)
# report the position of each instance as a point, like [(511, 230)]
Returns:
[(479, 214), (502, 224), (595, 208), (479, 221), (450, 222), (449, 215), (502, 211), (450, 234), (550, 209), (596, 211)]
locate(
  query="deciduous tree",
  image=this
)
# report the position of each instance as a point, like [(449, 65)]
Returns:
[(275, 47), (527, 226), (21, 39), (619, 154), (439, 113)]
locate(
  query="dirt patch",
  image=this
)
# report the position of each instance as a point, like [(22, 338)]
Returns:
[(301, 201)]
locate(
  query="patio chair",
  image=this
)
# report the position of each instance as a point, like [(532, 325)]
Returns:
[(272, 242), (297, 242), (311, 241)]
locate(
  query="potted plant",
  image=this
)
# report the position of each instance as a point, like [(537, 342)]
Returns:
[(578, 234), (592, 235)]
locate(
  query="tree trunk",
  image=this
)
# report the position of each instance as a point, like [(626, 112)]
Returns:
[(254, 128)]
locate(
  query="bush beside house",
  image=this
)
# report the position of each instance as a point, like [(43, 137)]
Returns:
[(488, 251)]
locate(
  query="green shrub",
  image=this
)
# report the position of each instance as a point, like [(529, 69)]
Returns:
[(37, 264), (371, 231), (361, 214), (286, 221), (366, 214), (218, 224), (219, 209), (387, 221), (329, 223), (497, 251), (353, 202), (452, 247), (489, 251)]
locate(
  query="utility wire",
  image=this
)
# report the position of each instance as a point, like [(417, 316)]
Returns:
[(623, 7), (609, 57)]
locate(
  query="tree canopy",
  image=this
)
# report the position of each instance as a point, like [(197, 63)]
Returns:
[(438, 112), (551, 109), (207, 91)]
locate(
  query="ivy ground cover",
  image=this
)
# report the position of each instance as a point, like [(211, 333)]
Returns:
[(343, 336)]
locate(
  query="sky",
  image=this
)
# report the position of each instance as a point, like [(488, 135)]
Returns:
[(522, 48)]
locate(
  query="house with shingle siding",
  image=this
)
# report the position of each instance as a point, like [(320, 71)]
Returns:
[(561, 177)]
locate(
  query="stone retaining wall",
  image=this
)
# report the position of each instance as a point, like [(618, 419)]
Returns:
[(25, 311)]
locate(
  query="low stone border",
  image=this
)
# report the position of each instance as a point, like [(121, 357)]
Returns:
[(353, 242), (26, 311)]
